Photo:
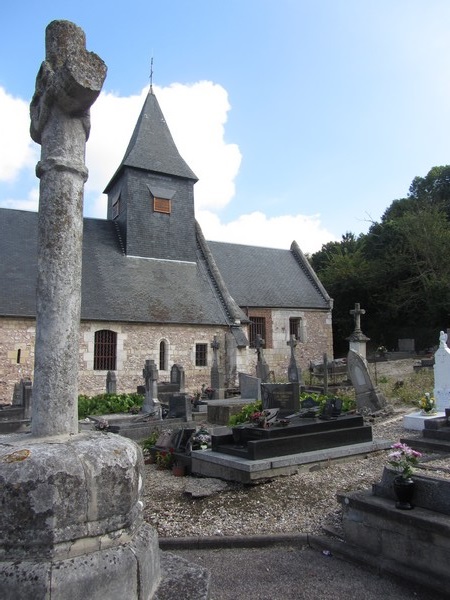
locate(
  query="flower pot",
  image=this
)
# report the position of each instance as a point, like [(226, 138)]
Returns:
[(178, 470), (404, 492)]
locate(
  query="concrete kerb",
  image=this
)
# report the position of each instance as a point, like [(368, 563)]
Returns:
[(333, 544)]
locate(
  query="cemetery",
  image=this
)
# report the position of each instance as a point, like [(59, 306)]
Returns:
[(87, 514)]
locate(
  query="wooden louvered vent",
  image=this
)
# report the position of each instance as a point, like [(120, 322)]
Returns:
[(162, 205)]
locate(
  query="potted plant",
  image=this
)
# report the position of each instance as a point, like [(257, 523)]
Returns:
[(404, 459), (165, 459)]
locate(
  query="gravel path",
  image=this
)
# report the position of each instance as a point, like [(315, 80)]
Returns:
[(301, 503)]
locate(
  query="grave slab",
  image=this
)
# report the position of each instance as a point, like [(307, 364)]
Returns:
[(416, 421)]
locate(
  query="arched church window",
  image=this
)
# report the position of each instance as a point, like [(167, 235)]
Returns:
[(163, 356), (105, 350)]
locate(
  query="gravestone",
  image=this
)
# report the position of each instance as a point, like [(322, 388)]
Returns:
[(23, 392), (78, 530), (294, 372), (180, 407), (368, 397), (285, 396), (250, 387), (151, 405), (111, 383), (177, 377), (262, 368), (407, 345), (442, 374), (217, 377), (357, 339)]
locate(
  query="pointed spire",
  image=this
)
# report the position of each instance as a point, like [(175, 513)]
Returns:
[(151, 146)]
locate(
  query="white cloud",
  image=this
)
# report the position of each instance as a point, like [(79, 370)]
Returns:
[(196, 115), (17, 151), (257, 229)]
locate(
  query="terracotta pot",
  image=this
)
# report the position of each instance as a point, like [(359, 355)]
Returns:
[(178, 470)]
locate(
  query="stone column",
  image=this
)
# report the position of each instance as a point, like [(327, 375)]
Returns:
[(68, 82)]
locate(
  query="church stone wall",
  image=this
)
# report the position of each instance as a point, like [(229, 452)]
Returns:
[(317, 339), (137, 342), (16, 354)]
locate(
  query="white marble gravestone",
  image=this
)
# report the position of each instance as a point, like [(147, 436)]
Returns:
[(442, 374)]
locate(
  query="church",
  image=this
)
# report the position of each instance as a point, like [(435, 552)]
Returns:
[(154, 288)]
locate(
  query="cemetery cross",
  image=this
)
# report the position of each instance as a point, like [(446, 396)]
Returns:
[(68, 82)]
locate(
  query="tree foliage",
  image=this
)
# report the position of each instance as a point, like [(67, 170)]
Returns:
[(398, 271)]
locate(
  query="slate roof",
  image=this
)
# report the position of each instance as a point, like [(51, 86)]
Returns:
[(269, 277), (114, 287), (151, 146)]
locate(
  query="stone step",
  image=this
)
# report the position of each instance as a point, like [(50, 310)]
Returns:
[(437, 434), (422, 444)]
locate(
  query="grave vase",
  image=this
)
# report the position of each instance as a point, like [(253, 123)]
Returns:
[(404, 492)]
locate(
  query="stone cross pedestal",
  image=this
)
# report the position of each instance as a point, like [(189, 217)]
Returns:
[(72, 519), (152, 405)]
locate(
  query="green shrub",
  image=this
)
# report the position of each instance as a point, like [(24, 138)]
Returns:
[(151, 440), (107, 404), (244, 415)]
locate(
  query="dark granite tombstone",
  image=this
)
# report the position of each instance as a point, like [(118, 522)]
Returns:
[(285, 396), (302, 435)]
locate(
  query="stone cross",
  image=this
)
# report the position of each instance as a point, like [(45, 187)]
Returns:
[(262, 368), (294, 373), (215, 347), (357, 312), (217, 378), (151, 403), (68, 82)]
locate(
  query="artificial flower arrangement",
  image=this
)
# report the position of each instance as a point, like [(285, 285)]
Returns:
[(427, 404), (404, 459)]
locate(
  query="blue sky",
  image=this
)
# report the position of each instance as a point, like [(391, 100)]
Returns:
[(303, 119)]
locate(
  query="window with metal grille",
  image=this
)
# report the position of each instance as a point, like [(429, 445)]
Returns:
[(163, 356), (201, 355), (105, 350), (162, 205), (257, 327), (295, 327)]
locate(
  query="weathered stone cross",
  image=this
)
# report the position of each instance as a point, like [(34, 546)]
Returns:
[(68, 82), (357, 312)]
